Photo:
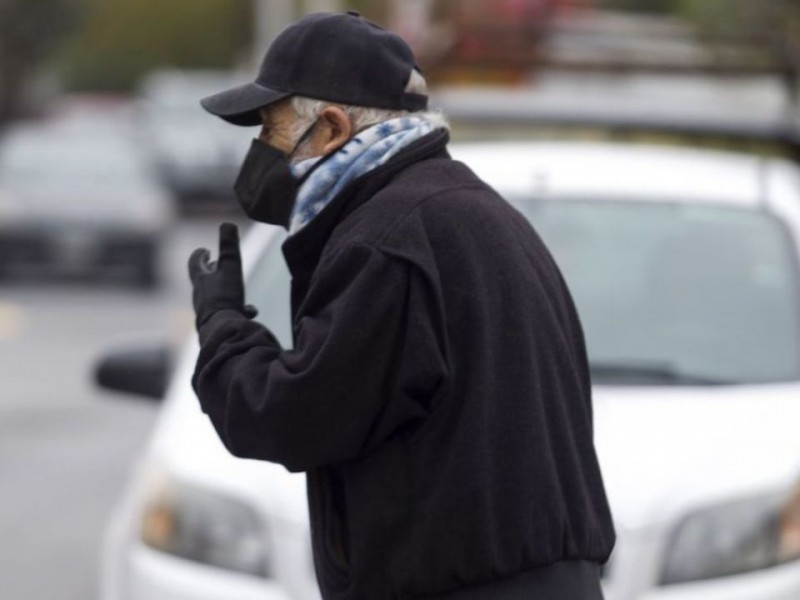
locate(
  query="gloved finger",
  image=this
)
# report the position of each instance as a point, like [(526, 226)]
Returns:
[(229, 244), (199, 263), (250, 311)]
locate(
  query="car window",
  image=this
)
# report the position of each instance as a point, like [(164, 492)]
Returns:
[(692, 293), (268, 288)]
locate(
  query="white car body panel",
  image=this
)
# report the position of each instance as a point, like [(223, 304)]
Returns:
[(155, 575), (660, 449), (592, 170), (664, 451)]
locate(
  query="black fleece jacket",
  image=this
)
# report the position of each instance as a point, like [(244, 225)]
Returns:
[(437, 395)]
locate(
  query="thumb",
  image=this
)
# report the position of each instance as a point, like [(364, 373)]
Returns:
[(199, 263)]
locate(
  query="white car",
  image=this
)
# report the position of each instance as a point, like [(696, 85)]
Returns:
[(686, 271)]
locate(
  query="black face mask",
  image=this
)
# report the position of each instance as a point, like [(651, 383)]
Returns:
[(266, 187)]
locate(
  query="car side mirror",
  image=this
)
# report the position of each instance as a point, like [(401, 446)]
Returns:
[(143, 371)]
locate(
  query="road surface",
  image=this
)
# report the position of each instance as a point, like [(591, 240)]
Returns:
[(66, 447)]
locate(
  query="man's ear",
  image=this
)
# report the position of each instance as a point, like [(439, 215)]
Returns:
[(337, 130)]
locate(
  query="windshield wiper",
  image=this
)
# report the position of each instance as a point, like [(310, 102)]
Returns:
[(635, 371)]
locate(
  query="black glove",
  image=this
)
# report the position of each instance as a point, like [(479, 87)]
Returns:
[(219, 285)]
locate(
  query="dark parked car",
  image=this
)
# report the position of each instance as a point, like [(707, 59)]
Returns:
[(79, 202), (196, 156)]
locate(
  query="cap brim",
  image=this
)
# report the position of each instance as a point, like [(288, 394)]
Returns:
[(240, 105)]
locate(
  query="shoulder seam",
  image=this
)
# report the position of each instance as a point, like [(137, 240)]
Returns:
[(413, 207)]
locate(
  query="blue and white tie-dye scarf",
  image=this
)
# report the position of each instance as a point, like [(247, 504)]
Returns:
[(369, 149)]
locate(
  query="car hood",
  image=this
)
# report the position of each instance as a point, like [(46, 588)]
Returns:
[(663, 450), (186, 446)]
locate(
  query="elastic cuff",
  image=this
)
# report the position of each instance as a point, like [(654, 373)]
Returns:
[(224, 314)]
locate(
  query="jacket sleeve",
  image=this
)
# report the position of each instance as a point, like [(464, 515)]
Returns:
[(368, 360)]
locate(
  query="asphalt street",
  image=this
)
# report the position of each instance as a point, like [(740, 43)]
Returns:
[(66, 447)]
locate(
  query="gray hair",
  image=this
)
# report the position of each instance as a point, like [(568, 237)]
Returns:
[(308, 110)]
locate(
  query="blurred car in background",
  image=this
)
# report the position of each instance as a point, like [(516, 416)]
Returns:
[(685, 266), (98, 112), (79, 202), (196, 155)]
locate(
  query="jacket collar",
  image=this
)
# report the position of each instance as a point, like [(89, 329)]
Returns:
[(302, 251)]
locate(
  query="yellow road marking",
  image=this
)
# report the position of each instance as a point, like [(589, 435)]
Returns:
[(12, 321)]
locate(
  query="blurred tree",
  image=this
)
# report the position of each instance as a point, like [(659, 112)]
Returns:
[(375, 10), (650, 6), (124, 39), (765, 33), (769, 28), (30, 30)]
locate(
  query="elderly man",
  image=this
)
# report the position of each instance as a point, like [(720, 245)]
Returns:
[(437, 394)]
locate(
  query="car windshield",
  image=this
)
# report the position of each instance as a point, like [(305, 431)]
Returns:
[(268, 289), (667, 293), (678, 293)]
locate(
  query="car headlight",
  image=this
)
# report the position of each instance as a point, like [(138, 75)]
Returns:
[(735, 537), (206, 527)]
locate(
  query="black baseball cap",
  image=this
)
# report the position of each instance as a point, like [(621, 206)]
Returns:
[(338, 57)]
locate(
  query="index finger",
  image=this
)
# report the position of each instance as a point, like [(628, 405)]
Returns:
[(229, 243)]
